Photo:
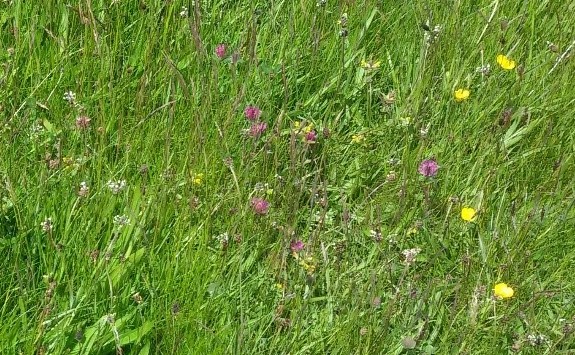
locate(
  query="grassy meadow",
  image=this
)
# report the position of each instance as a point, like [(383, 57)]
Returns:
[(287, 177)]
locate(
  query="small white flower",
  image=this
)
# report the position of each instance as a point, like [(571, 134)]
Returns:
[(184, 12), (121, 220), (116, 186), (410, 255), (537, 339), (84, 189), (47, 225), (484, 69), (70, 97), (223, 238)]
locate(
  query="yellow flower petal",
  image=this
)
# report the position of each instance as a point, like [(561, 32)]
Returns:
[(505, 63), (461, 94), (501, 290), (468, 214)]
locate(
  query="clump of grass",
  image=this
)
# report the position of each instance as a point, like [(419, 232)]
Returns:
[(241, 177)]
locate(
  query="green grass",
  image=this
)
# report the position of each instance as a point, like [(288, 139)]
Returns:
[(195, 270)]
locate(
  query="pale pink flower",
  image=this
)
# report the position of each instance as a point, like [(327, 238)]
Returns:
[(82, 122), (428, 168), (260, 206), (257, 129)]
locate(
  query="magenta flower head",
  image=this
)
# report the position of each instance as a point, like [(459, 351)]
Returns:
[(311, 136), (257, 129), (221, 50), (297, 246), (252, 113), (260, 206), (428, 168)]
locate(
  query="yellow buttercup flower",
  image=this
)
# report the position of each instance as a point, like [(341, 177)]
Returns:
[(461, 94), (502, 291), (468, 214), (197, 178), (505, 62)]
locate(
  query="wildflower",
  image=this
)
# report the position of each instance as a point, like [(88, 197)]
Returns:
[(505, 62), (370, 65), (70, 97), (461, 95), (311, 136), (116, 186), (84, 190), (121, 220), (428, 168), (137, 298), (260, 206), (223, 238), (410, 255), (197, 178), (357, 138), (537, 339), (502, 291), (343, 20), (484, 69), (47, 225), (376, 235), (257, 129), (220, 50), (423, 131), (432, 35), (405, 121), (468, 214), (184, 12), (82, 122), (297, 246), (252, 113), (308, 264)]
